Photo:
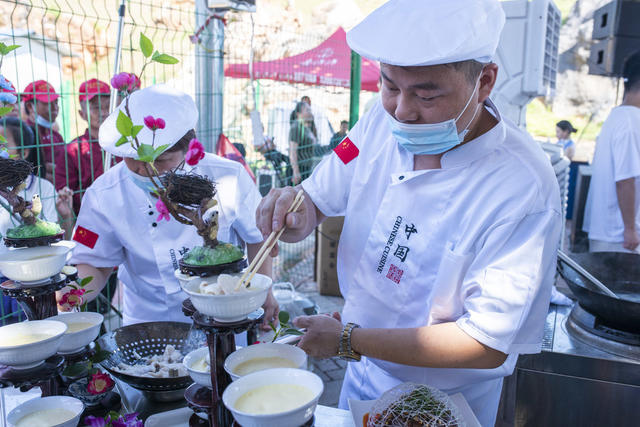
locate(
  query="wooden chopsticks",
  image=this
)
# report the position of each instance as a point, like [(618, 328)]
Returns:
[(271, 241)]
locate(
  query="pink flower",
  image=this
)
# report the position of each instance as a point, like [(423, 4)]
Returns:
[(100, 383), (194, 39), (195, 153), (162, 210), (72, 299), (153, 123), (127, 82)]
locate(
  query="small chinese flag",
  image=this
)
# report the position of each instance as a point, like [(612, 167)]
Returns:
[(85, 237), (346, 150)]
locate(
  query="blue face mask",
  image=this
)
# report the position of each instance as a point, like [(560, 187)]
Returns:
[(142, 182), (43, 122), (431, 138)]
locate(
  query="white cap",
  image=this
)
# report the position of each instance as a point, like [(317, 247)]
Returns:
[(176, 108), (429, 32)]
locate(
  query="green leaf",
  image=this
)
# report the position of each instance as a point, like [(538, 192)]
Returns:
[(100, 356), (273, 327), (135, 130), (145, 153), (3, 140), (74, 370), (5, 110), (6, 49), (114, 415), (158, 151), (163, 58), (124, 124), (146, 46), (121, 141), (73, 286), (283, 317), (84, 282), (293, 331)]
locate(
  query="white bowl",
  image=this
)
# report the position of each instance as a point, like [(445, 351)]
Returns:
[(25, 356), (67, 403), (286, 351), (200, 377), (293, 418), (227, 308), (73, 342), (33, 264)]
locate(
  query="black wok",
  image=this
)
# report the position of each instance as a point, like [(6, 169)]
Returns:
[(620, 272)]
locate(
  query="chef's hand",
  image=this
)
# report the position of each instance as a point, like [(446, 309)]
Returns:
[(271, 309), (271, 215), (631, 239), (322, 338)]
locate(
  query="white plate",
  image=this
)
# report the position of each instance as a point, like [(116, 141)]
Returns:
[(360, 407)]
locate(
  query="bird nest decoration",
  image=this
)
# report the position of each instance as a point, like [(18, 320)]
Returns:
[(31, 231), (188, 189)]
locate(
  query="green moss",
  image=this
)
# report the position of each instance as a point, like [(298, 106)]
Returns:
[(39, 229), (221, 254)]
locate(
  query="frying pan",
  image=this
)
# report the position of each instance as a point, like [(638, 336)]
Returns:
[(620, 272)]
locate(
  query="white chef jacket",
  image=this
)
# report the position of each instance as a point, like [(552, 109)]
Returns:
[(47, 193), (473, 243), (147, 250), (617, 158)]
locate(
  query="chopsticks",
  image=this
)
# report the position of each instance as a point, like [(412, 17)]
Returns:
[(271, 241)]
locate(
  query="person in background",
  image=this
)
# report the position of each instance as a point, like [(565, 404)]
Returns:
[(20, 143), (340, 135), (81, 162), (302, 141), (121, 225), (612, 212), (564, 129), (41, 107)]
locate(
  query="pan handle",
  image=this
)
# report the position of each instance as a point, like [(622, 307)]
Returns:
[(577, 267)]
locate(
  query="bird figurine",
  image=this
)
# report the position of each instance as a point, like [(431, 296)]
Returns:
[(36, 205)]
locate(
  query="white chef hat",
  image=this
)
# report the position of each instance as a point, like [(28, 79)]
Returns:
[(176, 108), (429, 32)]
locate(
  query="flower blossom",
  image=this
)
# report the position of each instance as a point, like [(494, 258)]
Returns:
[(92, 421), (128, 420), (153, 123), (125, 82), (100, 383), (163, 211), (195, 153), (8, 98), (72, 299), (5, 84)]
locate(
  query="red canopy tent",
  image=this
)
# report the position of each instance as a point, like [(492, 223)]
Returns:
[(328, 64)]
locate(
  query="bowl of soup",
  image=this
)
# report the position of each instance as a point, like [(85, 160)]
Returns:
[(281, 397), (217, 296), (197, 364), (52, 411), (27, 344), (82, 328), (259, 357), (37, 263)]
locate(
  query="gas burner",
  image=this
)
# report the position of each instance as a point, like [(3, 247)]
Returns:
[(591, 330), (37, 287)]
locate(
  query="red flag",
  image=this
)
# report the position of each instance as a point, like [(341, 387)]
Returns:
[(229, 151), (86, 237), (346, 150)]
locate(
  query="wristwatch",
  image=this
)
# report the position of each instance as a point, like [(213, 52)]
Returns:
[(345, 351)]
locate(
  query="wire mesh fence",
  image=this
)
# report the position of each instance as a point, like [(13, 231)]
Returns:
[(69, 42)]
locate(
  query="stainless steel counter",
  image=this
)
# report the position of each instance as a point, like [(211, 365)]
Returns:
[(571, 383)]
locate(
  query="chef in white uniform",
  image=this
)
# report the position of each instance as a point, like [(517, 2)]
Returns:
[(612, 213), (118, 225), (452, 215)]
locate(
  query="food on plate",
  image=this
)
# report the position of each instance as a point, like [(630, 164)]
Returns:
[(262, 363), (22, 339), (39, 229), (274, 399), (78, 326), (224, 253), (45, 418), (226, 285), (413, 405), (166, 365)]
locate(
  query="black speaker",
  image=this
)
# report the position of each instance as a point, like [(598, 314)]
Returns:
[(617, 19), (608, 55)]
